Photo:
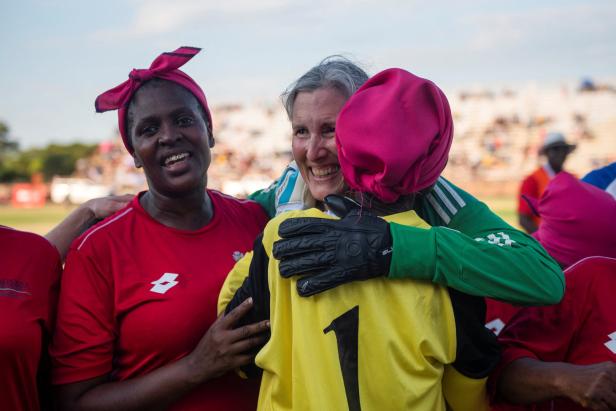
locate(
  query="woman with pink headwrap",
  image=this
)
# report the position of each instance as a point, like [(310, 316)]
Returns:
[(137, 326), (378, 344)]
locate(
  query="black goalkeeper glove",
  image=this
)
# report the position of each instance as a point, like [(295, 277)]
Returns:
[(332, 252)]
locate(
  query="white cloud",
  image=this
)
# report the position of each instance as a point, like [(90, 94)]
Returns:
[(160, 16), (157, 16), (492, 31)]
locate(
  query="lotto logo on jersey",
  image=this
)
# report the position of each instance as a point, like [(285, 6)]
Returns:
[(611, 344), (496, 326), (164, 283)]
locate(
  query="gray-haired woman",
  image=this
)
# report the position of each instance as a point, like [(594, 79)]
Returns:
[(498, 260)]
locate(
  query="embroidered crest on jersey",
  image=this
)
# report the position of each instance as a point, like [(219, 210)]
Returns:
[(611, 344), (500, 239), (237, 256), (164, 283)]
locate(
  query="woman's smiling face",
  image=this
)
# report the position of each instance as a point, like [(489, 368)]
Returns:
[(170, 138), (314, 140)]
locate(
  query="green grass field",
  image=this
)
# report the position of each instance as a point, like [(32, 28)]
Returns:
[(505, 207), (36, 220), (41, 220)]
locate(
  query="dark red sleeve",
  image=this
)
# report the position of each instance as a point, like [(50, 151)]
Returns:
[(528, 188), (82, 346)]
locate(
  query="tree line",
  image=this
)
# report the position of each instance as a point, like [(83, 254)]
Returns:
[(55, 159)]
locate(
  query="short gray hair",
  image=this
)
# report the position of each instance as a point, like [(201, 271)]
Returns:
[(334, 71)]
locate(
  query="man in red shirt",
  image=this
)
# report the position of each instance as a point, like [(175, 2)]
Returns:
[(28, 294), (556, 149)]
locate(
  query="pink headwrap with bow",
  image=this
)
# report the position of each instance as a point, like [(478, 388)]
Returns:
[(164, 67), (393, 135), (578, 220)]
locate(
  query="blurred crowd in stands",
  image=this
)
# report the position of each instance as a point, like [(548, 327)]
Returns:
[(497, 140)]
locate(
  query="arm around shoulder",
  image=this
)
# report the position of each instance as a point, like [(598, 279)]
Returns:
[(88, 213), (471, 249)]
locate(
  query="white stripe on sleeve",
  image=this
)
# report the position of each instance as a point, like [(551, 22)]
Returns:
[(453, 193), (438, 208)]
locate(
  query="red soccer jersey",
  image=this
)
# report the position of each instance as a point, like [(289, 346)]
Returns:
[(581, 329), (28, 293), (137, 295)]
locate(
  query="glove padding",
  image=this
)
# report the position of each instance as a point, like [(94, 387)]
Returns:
[(332, 252)]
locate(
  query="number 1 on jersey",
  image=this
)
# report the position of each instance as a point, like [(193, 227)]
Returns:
[(346, 328)]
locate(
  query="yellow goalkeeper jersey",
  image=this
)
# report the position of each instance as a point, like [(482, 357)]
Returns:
[(380, 344)]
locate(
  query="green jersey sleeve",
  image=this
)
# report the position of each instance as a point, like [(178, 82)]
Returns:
[(266, 199), (471, 249)]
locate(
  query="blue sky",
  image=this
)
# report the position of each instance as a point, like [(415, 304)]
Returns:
[(57, 56)]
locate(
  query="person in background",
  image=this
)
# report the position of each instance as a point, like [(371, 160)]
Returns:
[(556, 149), (137, 326), (363, 344), (29, 280), (563, 357), (604, 178)]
